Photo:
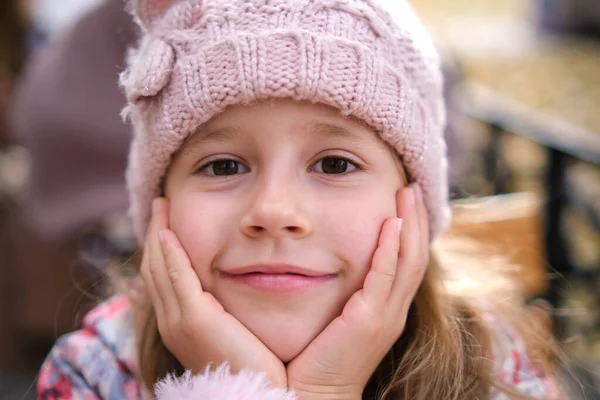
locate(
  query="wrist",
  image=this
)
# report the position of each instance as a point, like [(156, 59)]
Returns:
[(302, 395), (327, 392)]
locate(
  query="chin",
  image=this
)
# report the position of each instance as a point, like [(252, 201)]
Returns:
[(286, 343), (283, 332)]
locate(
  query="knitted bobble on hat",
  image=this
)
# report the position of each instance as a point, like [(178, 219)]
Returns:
[(150, 71)]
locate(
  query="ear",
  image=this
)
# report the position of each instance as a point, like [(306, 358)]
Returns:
[(148, 11)]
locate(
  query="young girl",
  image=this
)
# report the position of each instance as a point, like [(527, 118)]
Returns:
[(287, 177)]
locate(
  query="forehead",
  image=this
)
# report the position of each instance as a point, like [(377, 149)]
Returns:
[(282, 116), (313, 122)]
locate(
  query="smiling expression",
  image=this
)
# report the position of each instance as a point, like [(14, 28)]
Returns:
[(279, 205)]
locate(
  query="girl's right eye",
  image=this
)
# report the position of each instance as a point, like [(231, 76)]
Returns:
[(224, 167)]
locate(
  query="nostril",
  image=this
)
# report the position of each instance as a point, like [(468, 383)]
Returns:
[(258, 230)]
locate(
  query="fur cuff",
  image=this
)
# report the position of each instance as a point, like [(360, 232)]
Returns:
[(220, 384)]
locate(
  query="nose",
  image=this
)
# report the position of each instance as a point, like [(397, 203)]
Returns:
[(276, 210)]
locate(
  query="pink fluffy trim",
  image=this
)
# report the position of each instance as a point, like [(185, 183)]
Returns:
[(220, 384)]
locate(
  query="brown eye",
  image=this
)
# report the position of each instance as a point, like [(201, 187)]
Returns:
[(224, 168), (334, 165)]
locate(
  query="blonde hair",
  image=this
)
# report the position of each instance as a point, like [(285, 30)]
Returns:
[(446, 350)]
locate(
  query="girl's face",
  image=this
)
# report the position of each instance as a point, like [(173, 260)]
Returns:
[(279, 206)]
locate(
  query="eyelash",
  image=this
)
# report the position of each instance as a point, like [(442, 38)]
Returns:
[(336, 157), (207, 165), (350, 162)]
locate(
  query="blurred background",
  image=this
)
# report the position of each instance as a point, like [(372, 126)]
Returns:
[(523, 91)]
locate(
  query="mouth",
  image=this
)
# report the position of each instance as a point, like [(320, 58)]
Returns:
[(280, 278)]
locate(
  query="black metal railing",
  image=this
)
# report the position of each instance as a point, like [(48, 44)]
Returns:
[(564, 143)]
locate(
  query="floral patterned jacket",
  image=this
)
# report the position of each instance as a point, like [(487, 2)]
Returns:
[(100, 362)]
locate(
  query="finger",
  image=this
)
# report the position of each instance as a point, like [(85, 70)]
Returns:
[(423, 256), (423, 259), (186, 286), (410, 243), (379, 279), (410, 237), (149, 284), (423, 222), (157, 265)]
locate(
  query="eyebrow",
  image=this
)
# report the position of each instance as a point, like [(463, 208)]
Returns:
[(318, 130), (224, 134), (322, 130)]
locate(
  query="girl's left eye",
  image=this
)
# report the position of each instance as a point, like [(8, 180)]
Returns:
[(335, 166)]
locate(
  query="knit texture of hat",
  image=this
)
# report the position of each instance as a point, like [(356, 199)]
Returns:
[(198, 57)]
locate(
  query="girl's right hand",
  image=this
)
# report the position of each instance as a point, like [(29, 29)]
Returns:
[(192, 323)]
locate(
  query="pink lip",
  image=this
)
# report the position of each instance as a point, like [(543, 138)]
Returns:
[(280, 278)]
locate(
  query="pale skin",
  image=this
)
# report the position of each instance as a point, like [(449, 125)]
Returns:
[(354, 220)]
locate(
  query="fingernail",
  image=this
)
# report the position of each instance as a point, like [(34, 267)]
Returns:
[(399, 222)]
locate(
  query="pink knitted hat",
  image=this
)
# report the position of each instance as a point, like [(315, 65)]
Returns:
[(198, 57)]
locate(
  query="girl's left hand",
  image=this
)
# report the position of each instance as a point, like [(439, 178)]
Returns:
[(339, 362)]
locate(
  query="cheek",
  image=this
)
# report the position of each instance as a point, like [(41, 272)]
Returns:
[(199, 222), (354, 226)]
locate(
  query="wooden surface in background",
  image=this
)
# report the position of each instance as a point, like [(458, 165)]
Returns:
[(500, 47), (512, 226)]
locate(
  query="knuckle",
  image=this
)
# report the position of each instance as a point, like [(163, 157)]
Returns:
[(153, 275), (388, 275), (153, 267), (369, 321), (373, 327), (173, 273)]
